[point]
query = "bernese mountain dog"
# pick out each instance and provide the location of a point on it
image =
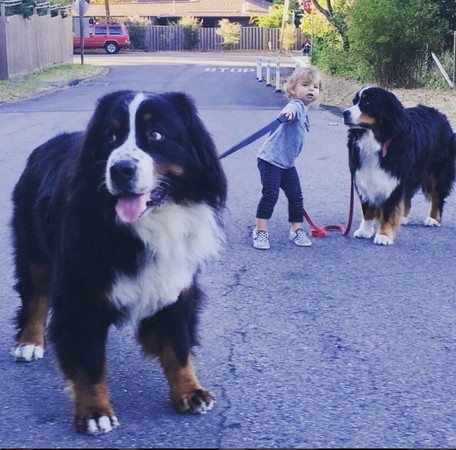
(394, 152)
(114, 224)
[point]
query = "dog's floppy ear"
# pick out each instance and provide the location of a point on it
(203, 146)
(392, 117)
(200, 136)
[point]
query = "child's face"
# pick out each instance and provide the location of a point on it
(307, 91)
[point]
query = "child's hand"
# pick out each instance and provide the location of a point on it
(288, 114)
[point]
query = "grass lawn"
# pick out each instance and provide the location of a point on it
(26, 86)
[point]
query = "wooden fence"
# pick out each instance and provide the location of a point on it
(42, 40)
(252, 38)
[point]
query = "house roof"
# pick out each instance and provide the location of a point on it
(180, 8)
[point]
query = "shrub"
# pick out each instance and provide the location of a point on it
(191, 27)
(230, 33)
(394, 36)
(137, 31)
(288, 37)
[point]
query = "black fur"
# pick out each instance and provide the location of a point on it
(65, 228)
(415, 145)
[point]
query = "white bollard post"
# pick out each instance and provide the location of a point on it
(277, 75)
(268, 72)
(260, 76)
(258, 68)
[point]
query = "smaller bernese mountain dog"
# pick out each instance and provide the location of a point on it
(394, 152)
(113, 224)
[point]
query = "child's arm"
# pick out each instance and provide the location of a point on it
(288, 113)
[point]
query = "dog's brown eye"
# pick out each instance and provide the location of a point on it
(154, 136)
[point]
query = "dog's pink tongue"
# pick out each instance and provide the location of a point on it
(130, 207)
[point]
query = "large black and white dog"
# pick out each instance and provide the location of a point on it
(394, 152)
(114, 224)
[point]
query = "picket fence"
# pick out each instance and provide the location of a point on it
(252, 38)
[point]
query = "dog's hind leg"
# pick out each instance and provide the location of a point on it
(32, 316)
(406, 211)
(432, 195)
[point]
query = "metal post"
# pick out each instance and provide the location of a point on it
(454, 59)
(258, 68)
(277, 75)
(81, 28)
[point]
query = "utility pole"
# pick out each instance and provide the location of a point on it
(286, 5)
(107, 12)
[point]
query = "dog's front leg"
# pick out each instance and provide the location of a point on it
(366, 228)
(170, 335)
(390, 221)
(93, 412)
(186, 393)
(80, 342)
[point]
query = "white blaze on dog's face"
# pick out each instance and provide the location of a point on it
(358, 114)
(130, 172)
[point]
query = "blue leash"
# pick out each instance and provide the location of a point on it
(268, 128)
(317, 231)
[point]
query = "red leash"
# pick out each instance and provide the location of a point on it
(321, 231)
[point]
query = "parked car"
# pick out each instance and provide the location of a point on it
(110, 36)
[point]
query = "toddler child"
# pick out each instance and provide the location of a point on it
(277, 156)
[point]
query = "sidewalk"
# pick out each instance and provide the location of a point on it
(300, 60)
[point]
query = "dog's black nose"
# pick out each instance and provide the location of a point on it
(123, 171)
(347, 116)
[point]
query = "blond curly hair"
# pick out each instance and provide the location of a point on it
(299, 75)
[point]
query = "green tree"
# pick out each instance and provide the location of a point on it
(447, 10)
(191, 26)
(271, 20)
(336, 13)
(275, 15)
(393, 37)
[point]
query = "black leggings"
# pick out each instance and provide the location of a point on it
(273, 179)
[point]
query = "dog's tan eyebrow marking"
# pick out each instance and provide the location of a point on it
(147, 116)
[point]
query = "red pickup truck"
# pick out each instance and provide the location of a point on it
(110, 36)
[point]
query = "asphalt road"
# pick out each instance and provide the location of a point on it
(344, 344)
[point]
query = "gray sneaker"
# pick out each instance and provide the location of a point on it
(261, 240)
(299, 237)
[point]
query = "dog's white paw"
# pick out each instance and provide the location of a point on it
(430, 222)
(366, 230)
(101, 425)
(27, 352)
(404, 220)
(382, 239)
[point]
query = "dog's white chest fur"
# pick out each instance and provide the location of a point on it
(373, 183)
(180, 239)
